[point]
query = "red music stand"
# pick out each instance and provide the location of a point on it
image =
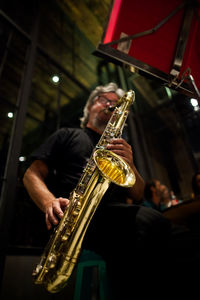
(158, 38)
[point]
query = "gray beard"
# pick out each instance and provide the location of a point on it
(98, 124)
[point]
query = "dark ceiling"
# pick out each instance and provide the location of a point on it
(68, 34)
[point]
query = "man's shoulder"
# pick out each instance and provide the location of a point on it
(70, 133)
(65, 131)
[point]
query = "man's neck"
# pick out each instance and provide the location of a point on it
(94, 128)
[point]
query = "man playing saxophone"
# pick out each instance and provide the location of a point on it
(58, 164)
(82, 142)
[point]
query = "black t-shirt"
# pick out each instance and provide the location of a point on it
(66, 153)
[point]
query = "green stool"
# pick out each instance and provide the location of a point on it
(91, 277)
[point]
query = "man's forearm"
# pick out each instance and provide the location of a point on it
(34, 182)
(37, 190)
(137, 191)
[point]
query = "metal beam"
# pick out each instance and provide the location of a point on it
(8, 192)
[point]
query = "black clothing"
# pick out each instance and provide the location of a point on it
(131, 238)
(66, 153)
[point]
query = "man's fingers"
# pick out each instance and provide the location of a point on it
(47, 221)
(52, 216)
(64, 202)
(58, 211)
(55, 211)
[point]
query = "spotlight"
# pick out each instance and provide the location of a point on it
(10, 115)
(22, 158)
(55, 78)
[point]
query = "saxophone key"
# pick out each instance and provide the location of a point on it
(76, 211)
(51, 262)
(37, 270)
(66, 234)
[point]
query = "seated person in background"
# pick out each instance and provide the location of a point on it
(158, 196)
(196, 185)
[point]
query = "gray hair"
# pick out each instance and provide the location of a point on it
(110, 87)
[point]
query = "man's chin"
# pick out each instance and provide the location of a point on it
(104, 117)
(100, 125)
(103, 120)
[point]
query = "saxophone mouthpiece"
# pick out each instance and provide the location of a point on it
(109, 109)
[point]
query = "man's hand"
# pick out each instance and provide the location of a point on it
(55, 211)
(122, 148)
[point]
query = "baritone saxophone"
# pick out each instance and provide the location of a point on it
(62, 251)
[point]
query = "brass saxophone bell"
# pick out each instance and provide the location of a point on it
(114, 168)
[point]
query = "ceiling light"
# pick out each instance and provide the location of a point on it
(55, 78)
(10, 115)
(22, 158)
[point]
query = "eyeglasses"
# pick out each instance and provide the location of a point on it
(104, 101)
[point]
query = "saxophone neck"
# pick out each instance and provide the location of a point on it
(117, 120)
(128, 98)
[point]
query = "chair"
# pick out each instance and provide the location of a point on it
(91, 278)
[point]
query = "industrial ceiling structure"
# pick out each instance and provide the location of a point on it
(67, 35)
